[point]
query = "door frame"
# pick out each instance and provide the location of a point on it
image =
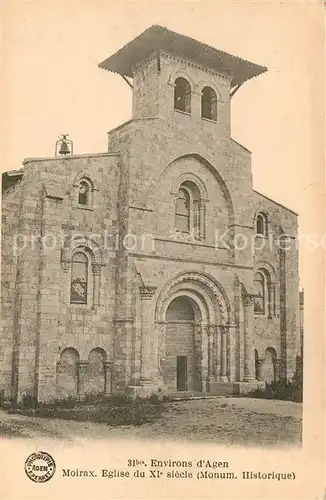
(185, 372)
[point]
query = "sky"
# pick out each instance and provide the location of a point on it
(51, 84)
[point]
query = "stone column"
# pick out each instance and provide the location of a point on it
(218, 354)
(108, 369)
(277, 368)
(274, 308)
(271, 293)
(81, 368)
(66, 289)
(204, 356)
(210, 352)
(160, 350)
(96, 284)
(146, 294)
(214, 347)
(260, 363)
(248, 323)
(231, 350)
(198, 358)
(224, 333)
(201, 220)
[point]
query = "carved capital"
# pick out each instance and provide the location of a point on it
(108, 366)
(82, 365)
(96, 269)
(147, 292)
(248, 300)
(210, 329)
(66, 265)
(224, 330)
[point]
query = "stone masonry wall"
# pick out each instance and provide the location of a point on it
(46, 322)
(272, 332)
(10, 221)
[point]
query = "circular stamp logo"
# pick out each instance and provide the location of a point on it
(40, 467)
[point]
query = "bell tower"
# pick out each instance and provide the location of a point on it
(174, 77)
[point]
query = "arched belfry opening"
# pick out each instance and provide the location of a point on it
(182, 95)
(209, 104)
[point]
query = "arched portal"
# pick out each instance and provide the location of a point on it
(193, 311)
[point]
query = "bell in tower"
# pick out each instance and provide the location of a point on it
(64, 146)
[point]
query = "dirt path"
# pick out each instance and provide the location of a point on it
(238, 421)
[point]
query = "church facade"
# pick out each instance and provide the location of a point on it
(155, 266)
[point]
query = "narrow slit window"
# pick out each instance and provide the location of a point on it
(261, 225)
(83, 193)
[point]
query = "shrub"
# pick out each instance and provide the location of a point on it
(167, 398)
(155, 399)
(114, 410)
(122, 399)
(28, 401)
(140, 412)
(87, 400)
(68, 402)
(280, 389)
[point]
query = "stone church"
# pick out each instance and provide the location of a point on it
(154, 267)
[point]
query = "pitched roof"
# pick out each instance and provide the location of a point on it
(157, 37)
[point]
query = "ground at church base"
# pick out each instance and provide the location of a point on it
(221, 420)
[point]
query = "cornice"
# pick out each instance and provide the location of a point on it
(187, 62)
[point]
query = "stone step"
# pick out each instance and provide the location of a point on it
(217, 389)
(186, 395)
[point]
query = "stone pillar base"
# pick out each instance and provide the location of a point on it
(248, 379)
(221, 388)
(142, 390)
(245, 387)
(209, 382)
(145, 381)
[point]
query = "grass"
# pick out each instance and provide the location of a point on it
(114, 410)
(8, 431)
